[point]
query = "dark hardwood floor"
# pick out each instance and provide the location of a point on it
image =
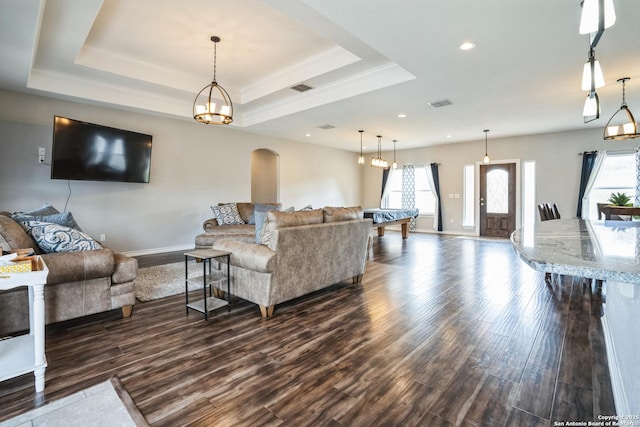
(442, 331)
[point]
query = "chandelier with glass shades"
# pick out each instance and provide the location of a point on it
(213, 105)
(622, 125)
(378, 161)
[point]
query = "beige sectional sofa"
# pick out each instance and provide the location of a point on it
(299, 252)
(78, 284)
(245, 232)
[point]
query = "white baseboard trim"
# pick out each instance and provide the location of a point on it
(154, 251)
(619, 396)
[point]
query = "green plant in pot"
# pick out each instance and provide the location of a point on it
(620, 199)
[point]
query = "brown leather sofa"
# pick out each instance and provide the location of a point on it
(78, 284)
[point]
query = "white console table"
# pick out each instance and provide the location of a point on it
(25, 353)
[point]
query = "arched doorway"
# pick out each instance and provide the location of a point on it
(265, 183)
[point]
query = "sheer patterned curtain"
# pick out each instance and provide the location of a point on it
(408, 200)
(595, 170)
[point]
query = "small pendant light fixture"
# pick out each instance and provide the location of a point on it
(597, 15)
(394, 165)
(361, 158)
(486, 160)
(591, 110)
(592, 77)
(213, 105)
(628, 129)
(379, 162)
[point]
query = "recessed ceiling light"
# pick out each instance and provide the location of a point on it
(307, 134)
(402, 115)
(467, 46)
(448, 136)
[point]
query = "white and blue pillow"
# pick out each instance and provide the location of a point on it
(227, 214)
(52, 237)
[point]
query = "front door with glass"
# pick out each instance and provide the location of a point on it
(497, 199)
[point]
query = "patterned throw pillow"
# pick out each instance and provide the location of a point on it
(52, 237)
(227, 214)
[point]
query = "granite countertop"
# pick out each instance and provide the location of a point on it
(607, 250)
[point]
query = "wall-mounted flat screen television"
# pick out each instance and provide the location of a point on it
(91, 152)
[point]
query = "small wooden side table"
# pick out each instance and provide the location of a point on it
(25, 353)
(208, 279)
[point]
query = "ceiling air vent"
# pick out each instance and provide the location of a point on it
(327, 126)
(301, 87)
(441, 103)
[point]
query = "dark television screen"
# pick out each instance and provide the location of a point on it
(90, 152)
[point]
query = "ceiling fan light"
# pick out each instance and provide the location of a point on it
(590, 18)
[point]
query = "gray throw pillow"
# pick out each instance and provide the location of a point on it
(46, 209)
(259, 215)
(65, 219)
(261, 207)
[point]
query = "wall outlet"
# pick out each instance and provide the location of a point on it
(103, 237)
(41, 153)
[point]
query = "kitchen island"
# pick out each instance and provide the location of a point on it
(607, 251)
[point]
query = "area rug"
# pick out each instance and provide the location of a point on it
(106, 404)
(165, 280)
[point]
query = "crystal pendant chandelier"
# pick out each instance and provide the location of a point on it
(213, 105)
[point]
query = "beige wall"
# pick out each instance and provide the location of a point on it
(193, 166)
(558, 168)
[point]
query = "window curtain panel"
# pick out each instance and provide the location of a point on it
(588, 160)
(591, 169)
(385, 180)
(408, 197)
(637, 198)
(434, 182)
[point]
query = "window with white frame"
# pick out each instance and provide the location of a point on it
(469, 189)
(528, 192)
(424, 198)
(617, 175)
